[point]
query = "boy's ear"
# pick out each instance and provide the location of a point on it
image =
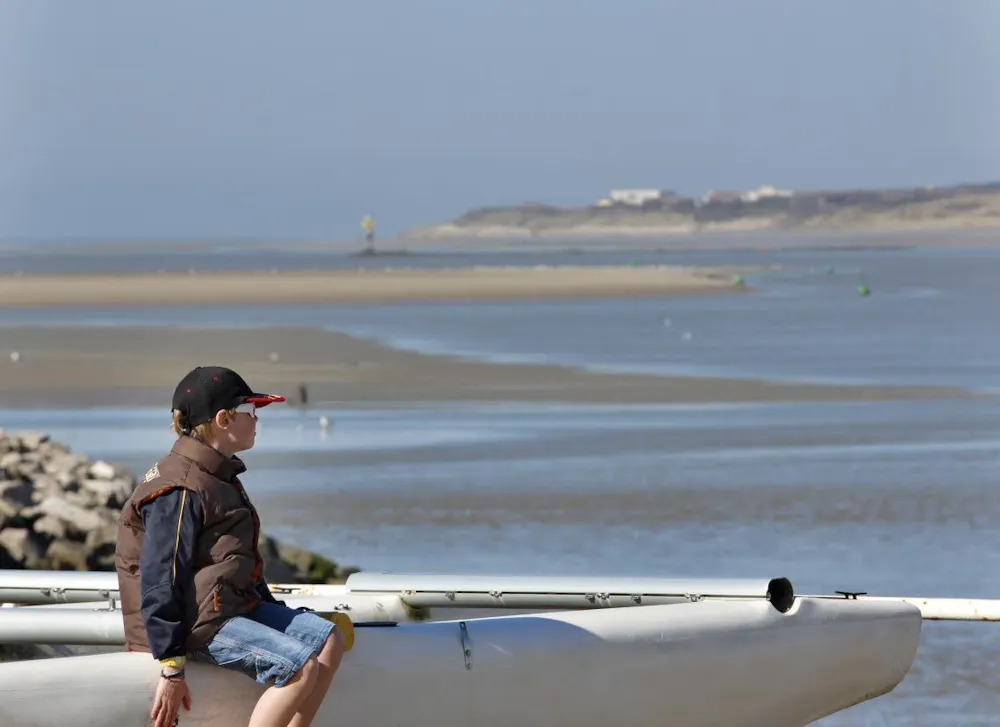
(222, 418)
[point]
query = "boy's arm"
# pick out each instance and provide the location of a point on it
(172, 521)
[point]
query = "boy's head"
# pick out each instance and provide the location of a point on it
(216, 405)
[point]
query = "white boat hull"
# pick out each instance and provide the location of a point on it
(687, 665)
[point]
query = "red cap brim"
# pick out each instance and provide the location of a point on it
(259, 400)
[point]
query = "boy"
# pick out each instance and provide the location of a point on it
(190, 573)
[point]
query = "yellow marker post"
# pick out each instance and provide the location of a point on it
(368, 225)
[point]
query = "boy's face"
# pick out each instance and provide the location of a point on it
(238, 430)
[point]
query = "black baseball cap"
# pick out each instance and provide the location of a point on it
(206, 390)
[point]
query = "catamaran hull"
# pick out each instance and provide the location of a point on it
(690, 665)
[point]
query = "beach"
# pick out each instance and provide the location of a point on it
(138, 366)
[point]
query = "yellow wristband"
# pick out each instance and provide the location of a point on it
(174, 661)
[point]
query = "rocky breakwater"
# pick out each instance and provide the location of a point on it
(59, 511)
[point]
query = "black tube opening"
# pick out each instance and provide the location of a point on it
(781, 594)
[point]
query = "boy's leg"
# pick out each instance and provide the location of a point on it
(278, 705)
(324, 642)
(328, 661)
(251, 646)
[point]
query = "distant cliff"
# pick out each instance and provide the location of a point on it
(821, 210)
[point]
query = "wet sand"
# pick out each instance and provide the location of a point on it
(359, 286)
(139, 366)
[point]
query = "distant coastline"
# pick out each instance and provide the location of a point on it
(645, 213)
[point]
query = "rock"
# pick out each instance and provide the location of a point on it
(24, 547)
(7, 510)
(45, 486)
(86, 500)
(31, 441)
(20, 652)
(108, 493)
(76, 517)
(16, 493)
(100, 546)
(49, 526)
(289, 564)
(59, 510)
(103, 559)
(104, 535)
(67, 555)
(52, 448)
(101, 470)
(10, 460)
(64, 466)
(277, 572)
(347, 571)
(7, 561)
(32, 512)
(21, 464)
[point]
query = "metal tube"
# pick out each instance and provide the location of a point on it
(27, 587)
(40, 587)
(565, 592)
(442, 591)
(31, 587)
(69, 626)
(941, 609)
(96, 624)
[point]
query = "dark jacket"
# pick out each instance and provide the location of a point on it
(187, 552)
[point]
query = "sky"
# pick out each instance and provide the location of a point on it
(293, 120)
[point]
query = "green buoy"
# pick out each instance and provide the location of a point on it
(828, 270)
(864, 290)
(738, 280)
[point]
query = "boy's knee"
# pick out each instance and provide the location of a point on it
(308, 673)
(333, 648)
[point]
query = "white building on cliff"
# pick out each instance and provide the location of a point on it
(630, 197)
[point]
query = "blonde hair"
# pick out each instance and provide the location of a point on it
(202, 431)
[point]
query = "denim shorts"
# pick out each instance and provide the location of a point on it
(273, 642)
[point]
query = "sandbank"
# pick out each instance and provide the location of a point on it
(139, 366)
(359, 286)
